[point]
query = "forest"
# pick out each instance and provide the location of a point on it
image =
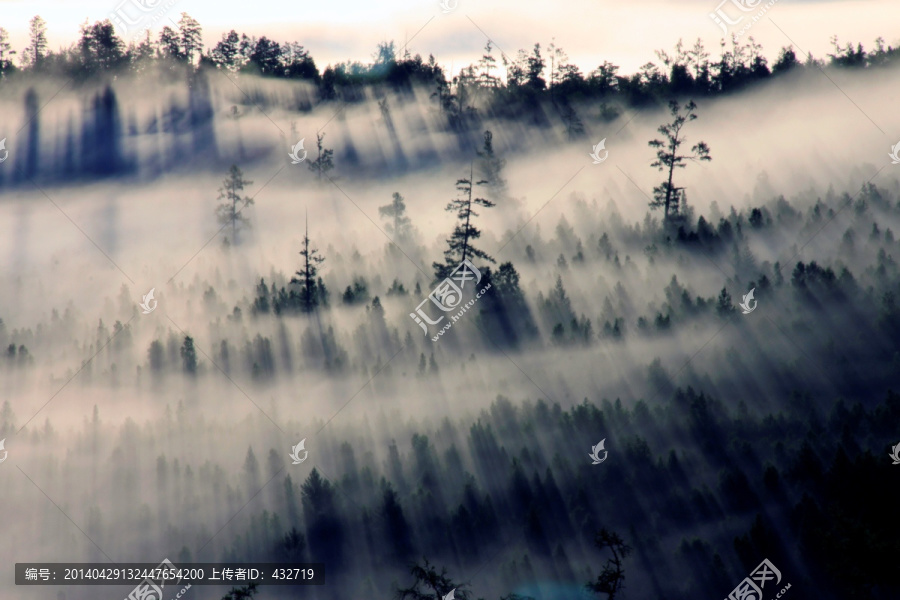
(218, 299)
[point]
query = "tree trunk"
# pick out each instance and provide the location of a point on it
(468, 211)
(669, 185)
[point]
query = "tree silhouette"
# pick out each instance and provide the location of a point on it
(491, 166)
(266, 56)
(170, 44)
(612, 578)
(400, 225)
(724, 305)
(426, 576)
(156, 356)
(325, 159)
(460, 242)
(666, 195)
(37, 47)
(227, 53)
(230, 192)
(323, 523)
(311, 291)
(190, 37)
(100, 48)
(398, 529)
(6, 52)
(189, 356)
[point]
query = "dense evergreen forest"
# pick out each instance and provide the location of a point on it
(530, 76)
(539, 88)
(463, 464)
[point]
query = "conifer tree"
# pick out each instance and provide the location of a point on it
(191, 37)
(227, 53)
(460, 242)
(491, 166)
(310, 290)
(189, 356)
(666, 195)
(169, 43)
(230, 192)
(37, 47)
(325, 159)
(400, 225)
(612, 578)
(6, 53)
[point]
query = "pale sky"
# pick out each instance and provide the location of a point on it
(590, 31)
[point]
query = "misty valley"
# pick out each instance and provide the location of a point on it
(510, 332)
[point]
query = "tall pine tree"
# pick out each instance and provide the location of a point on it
(310, 288)
(459, 245)
(666, 195)
(230, 192)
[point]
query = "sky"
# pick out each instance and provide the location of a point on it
(589, 31)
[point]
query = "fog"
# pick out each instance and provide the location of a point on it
(113, 459)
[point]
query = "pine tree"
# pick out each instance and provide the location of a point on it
(486, 66)
(443, 94)
(142, 53)
(325, 159)
(189, 356)
(227, 53)
(37, 46)
(310, 291)
(191, 40)
(400, 225)
(170, 43)
(666, 195)
(460, 242)
(400, 536)
(6, 53)
(612, 578)
(724, 305)
(491, 166)
(230, 192)
(99, 46)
